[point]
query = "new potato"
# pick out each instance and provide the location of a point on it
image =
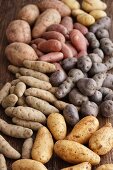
(82, 166)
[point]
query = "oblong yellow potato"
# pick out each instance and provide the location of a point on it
(83, 130)
(101, 142)
(76, 12)
(28, 164)
(74, 152)
(42, 149)
(57, 125)
(86, 19)
(82, 166)
(105, 167)
(72, 4)
(97, 14)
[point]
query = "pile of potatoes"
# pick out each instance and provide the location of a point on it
(63, 79)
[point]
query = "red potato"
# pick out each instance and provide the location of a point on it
(54, 35)
(72, 48)
(58, 66)
(81, 28)
(50, 46)
(68, 23)
(37, 41)
(78, 40)
(66, 51)
(38, 52)
(52, 57)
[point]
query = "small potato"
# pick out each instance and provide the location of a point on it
(42, 149)
(20, 89)
(82, 166)
(108, 81)
(89, 108)
(97, 14)
(72, 48)
(72, 4)
(69, 63)
(76, 12)
(29, 13)
(107, 46)
(85, 19)
(97, 97)
(95, 58)
(67, 22)
(18, 31)
(109, 96)
(94, 43)
(60, 105)
(102, 33)
(57, 78)
(18, 52)
(73, 152)
(57, 126)
(67, 52)
(106, 108)
(101, 142)
(105, 167)
(97, 68)
(105, 91)
(70, 114)
(84, 129)
(3, 165)
(13, 69)
(23, 164)
(99, 52)
(84, 63)
(9, 101)
(81, 28)
(99, 78)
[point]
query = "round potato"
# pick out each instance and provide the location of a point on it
(57, 125)
(18, 52)
(29, 13)
(18, 31)
(97, 14)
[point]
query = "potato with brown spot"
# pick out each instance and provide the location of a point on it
(105, 167)
(26, 148)
(3, 165)
(20, 89)
(4, 91)
(82, 166)
(9, 101)
(13, 69)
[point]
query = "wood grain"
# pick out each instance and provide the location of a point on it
(8, 12)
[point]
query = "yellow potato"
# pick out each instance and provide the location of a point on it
(86, 19)
(43, 146)
(89, 5)
(72, 4)
(82, 166)
(101, 142)
(75, 153)
(84, 129)
(105, 167)
(57, 125)
(28, 164)
(76, 12)
(97, 14)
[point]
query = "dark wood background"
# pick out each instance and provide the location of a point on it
(8, 12)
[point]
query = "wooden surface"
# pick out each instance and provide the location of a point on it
(8, 12)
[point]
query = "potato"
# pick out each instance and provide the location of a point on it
(72, 4)
(106, 108)
(70, 114)
(76, 12)
(84, 129)
(47, 18)
(43, 146)
(60, 105)
(74, 152)
(67, 22)
(87, 86)
(57, 77)
(95, 58)
(89, 108)
(88, 5)
(94, 43)
(13, 69)
(97, 68)
(36, 41)
(67, 52)
(105, 91)
(101, 142)
(97, 14)
(18, 31)
(69, 63)
(109, 63)
(72, 48)
(63, 9)
(82, 166)
(99, 52)
(4, 91)
(18, 52)
(85, 19)
(23, 164)
(9, 101)
(81, 28)
(102, 33)
(76, 98)
(108, 81)
(57, 126)
(84, 63)
(109, 96)
(107, 46)
(99, 78)
(96, 97)
(105, 167)
(29, 13)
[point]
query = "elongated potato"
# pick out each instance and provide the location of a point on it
(33, 82)
(57, 125)
(23, 164)
(74, 152)
(86, 19)
(105, 167)
(9, 101)
(82, 166)
(41, 105)
(47, 18)
(84, 129)
(13, 69)
(4, 91)
(3, 165)
(72, 4)
(20, 89)
(40, 66)
(26, 148)
(97, 14)
(41, 94)
(101, 142)
(43, 146)
(60, 105)
(67, 22)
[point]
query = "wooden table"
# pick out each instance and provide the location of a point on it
(8, 12)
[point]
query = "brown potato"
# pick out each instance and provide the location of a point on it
(105, 167)
(82, 166)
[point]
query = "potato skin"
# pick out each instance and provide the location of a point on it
(83, 130)
(73, 152)
(29, 13)
(85, 19)
(97, 14)
(101, 142)
(42, 149)
(47, 18)
(82, 166)
(18, 31)
(57, 125)
(18, 52)
(105, 167)
(23, 164)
